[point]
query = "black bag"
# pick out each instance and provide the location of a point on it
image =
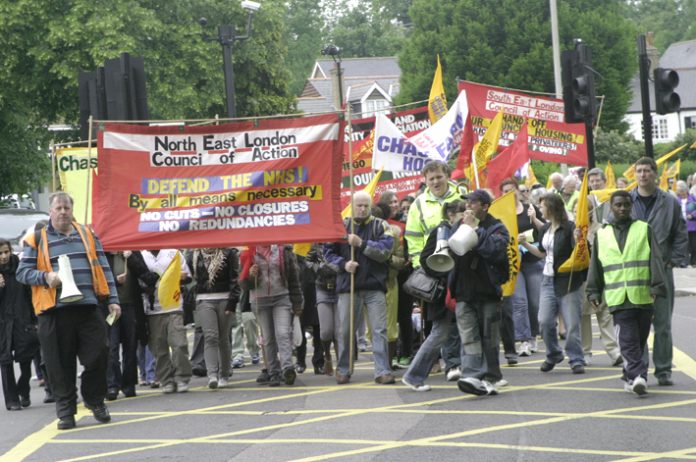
(424, 287)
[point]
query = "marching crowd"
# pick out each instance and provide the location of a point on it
(250, 301)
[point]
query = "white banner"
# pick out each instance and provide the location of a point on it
(396, 153)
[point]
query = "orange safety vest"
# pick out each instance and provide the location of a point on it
(43, 297)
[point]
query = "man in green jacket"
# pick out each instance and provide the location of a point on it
(626, 265)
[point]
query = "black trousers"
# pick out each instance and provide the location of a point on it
(67, 334)
(403, 317)
(123, 375)
(12, 389)
(632, 328)
(692, 247)
(318, 355)
(507, 329)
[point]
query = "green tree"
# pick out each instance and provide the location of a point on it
(670, 20)
(616, 147)
(508, 43)
(45, 44)
(304, 35)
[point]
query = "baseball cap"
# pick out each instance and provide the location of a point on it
(479, 195)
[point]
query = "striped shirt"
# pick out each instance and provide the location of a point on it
(72, 246)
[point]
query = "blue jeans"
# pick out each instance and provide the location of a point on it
(430, 350)
(479, 326)
(452, 346)
(525, 301)
(570, 308)
(376, 305)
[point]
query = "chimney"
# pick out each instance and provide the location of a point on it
(653, 53)
(336, 87)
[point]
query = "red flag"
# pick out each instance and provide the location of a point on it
(464, 158)
(246, 259)
(508, 161)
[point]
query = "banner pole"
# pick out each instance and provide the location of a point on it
(89, 173)
(351, 343)
(476, 177)
(53, 167)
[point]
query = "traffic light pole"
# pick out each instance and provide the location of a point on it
(644, 70)
(589, 137)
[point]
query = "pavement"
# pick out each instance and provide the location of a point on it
(685, 281)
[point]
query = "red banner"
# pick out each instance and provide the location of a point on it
(410, 122)
(550, 138)
(246, 183)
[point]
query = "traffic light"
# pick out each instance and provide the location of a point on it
(578, 84)
(666, 100)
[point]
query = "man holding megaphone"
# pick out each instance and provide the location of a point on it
(66, 267)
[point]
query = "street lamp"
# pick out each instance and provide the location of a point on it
(226, 37)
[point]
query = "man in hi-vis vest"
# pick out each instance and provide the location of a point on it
(70, 329)
(626, 265)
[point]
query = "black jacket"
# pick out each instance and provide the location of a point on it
(563, 244)
(18, 338)
(226, 280)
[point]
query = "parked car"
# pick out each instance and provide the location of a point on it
(14, 223)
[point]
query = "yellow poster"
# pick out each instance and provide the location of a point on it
(74, 167)
(503, 209)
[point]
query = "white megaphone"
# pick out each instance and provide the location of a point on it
(441, 261)
(69, 292)
(463, 240)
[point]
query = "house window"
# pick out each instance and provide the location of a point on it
(373, 106)
(659, 129)
(689, 122)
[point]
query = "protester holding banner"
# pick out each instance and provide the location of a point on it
(426, 211)
(662, 212)
(599, 215)
(165, 318)
(525, 299)
(70, 329)
(216, 274)
(442, 318)
(480, 243)
(365, 258)
(327, 300)
(276, 293)
(560, 292)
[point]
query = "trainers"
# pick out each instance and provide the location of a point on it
(386, 379)
(533, 347)
(547, 366)
(512, 361)
(491, 390)
(501, 383)
(255, 359)
(404, 362)
(421, 387)
(578, 369)
(342, 379)
(274, 381)
(169, 388)
(112, 394)
(617, 362)
(639, 386)
(473, 386)
(263, 378)
(664, 381)
(24, 401)
(289, 376)
(48, 397)
(100, 412)
(238, 363)
(524, 349)
(182, 387)
(213, 382)
(66, 423)
(223, 383)
(453, 374)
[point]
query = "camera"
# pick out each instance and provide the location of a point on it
(331, 50)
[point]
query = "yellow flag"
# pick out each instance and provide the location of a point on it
(531, 177)
(169, 290)
(611, 177)
(437, 103)
(675, 177)
(693, 146)
(580, 258)
(549, 185)
(302, 249)
(631, 172)
(503, 208)
(488, 145)
(370, 188)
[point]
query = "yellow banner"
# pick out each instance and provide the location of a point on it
(580, 258)
(74, 167)
(169, 290)
(370, 188)
(503, 209)
(611, 177)
(437, 103)
(631, 172)
(488, 145)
